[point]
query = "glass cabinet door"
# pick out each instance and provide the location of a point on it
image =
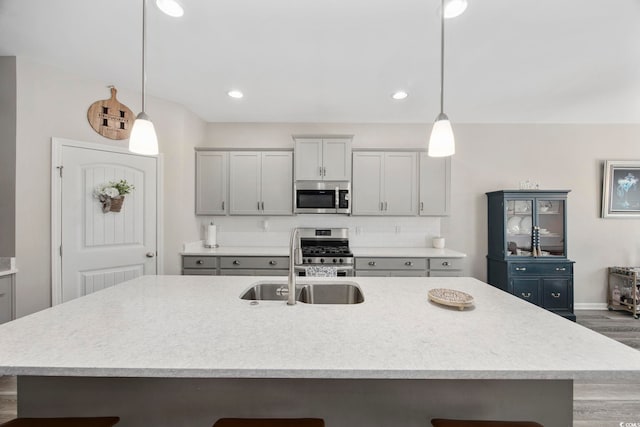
(551, 223)
(519, 227)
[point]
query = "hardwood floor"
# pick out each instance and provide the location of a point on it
(594, 405)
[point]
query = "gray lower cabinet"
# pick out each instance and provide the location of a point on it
(408, 267)
(445, 267)
(209, 265)
(6, 299)
(390, 267)
(199, 265)
(254, 266)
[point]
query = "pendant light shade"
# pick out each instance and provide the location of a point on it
(442, 143)
(143, 139)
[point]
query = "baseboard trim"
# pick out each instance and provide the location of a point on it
(590, 306)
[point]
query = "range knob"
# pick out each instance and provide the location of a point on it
(335, 260)
(341, 260)
(322, 260)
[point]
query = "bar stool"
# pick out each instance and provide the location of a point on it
(440, 422)
(269, 422)
(62, 422)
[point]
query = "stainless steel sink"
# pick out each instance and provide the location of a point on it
(308, 293)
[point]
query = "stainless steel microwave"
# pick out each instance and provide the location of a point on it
(322, 197)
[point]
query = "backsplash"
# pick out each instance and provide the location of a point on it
(363, 231)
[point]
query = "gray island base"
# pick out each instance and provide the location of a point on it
(186, 350)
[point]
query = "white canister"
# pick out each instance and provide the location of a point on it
(438, 242)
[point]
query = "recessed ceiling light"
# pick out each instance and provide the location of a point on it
(400, 95)
(235, 94)
(170, 7)
(453, 8)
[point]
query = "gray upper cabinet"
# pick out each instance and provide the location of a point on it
(385, 183)
(261, 183)
(211, 182)
(435, 185)
(322, 159)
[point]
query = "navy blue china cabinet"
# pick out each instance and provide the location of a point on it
(527, 253)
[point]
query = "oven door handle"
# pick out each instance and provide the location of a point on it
(337, 203)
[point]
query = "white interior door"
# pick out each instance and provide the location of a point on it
(103, 249)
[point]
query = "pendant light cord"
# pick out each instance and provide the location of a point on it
(144, 52)
(442, 58)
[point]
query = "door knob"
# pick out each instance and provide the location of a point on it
(150, 254)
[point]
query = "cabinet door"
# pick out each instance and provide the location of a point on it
(435, 185)
(336, 159)
(400, 192)
(308, 159)
(244, 183)
(277, 183)
(367, 183)
(527, 289)
(6, 298)
(552, 222)
(518, 226)
(556, 294)
(211, 182)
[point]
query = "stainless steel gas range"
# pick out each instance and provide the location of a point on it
(325, 247)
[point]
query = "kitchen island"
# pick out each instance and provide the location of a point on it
(185, 350)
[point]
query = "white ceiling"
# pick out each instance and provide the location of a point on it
(507, 61)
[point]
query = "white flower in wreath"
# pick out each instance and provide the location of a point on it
(111, 192)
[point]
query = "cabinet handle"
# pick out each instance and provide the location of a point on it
(236, 262)
(200, 262)
(223, 205)
(555, 294)
(386, 206)
(446, 264)
(527, 295)
(421, 206)
(561, 269)
(408, 263)
(324, 171)
(381, 206)
(258, 205)
(273, 262)
(262, 204)
(2, 294)
(320, 170)
(372, 263)
(521, 268)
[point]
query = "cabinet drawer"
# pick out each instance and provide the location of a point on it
(555, 293)
(199, 262)
(6, 299)
(527, 289)
(445, 264)
(267, 263)
(541, 268)
(199, 272)
(391, 273)
(391, 263)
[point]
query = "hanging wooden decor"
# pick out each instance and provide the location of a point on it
(111, 118)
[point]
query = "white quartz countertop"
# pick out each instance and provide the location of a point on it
(357, 252)
(8, 272)
(197, 326)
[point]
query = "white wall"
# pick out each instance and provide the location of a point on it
(54, 103)
(492, 157)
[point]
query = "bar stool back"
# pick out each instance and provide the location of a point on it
(441, 422)
(269, 422)
(63, 422)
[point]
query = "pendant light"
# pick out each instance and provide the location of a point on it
(442, 142)
(143, 138)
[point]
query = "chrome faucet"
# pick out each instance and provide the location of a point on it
(295, 256)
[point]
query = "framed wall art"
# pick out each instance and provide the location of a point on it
(621, 189)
